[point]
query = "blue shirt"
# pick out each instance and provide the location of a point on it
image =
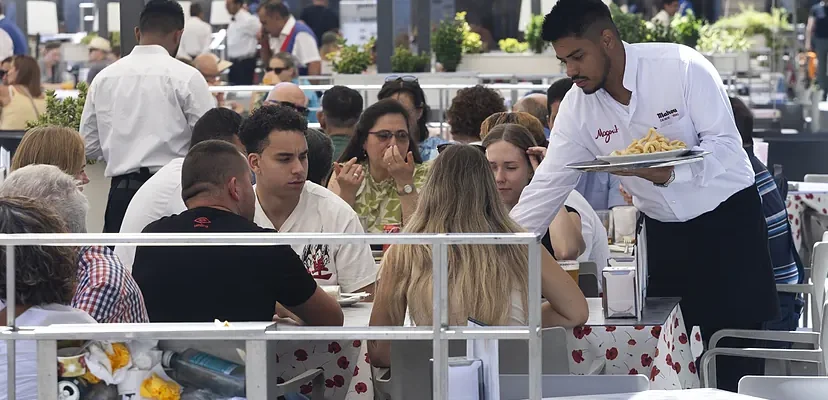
(601, 190)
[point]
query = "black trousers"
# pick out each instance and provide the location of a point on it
(121, 191)
(242, 72)
(720, 266)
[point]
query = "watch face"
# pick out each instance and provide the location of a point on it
(408, 189)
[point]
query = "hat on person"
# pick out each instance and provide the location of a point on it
(99, 43)
(224, 64)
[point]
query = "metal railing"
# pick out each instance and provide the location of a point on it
(440, 332)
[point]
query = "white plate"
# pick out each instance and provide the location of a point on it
(348, 301)
(644, 157)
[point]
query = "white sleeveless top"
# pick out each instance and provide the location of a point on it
(517, 317)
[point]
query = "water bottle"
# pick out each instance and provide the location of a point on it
(204, 371)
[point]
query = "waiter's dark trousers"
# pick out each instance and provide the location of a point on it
(121, 191)
(242, 72)
(720, 266)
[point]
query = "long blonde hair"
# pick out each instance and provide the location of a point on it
(460, 196)
(53, 145)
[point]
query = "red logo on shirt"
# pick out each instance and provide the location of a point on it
(607, 135)
(316, 259)
(201, 222)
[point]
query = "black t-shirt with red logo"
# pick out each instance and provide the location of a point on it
(203, 283)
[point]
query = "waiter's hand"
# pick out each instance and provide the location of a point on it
(654, 175)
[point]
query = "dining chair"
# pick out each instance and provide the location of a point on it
(589, 285)
(516, 387)
(784, 387)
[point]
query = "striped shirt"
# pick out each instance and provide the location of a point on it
(106, 290)
(780, 243)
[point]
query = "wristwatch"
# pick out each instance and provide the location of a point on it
(669, 180)
(407, 189)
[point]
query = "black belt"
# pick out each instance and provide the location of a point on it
(131, 179)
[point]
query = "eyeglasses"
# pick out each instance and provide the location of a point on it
(401, 136)
(277, 71)
(302, 110)
(404, 78)
(477, 145)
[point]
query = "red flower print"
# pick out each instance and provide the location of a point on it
(669, 360)
(809, 196)
(356, 370)
(656, 353)
(790, 216)
(677, 367)
(339, 381)
(578, 331)
(692, 367)
(656, 331)
(654, 373)
(306, 389)
(824, 211)
(674, 347)
(675, 323)
(367, 360)
(612, 353)
(334, 347)
(578, 356)
(797, 197)
(611, 329)
(301, 355)
(683, 339)
(587, 330)
(631, 342)
(329, 383)
(639, 327)
(698, 337)
(357, 343)
(646, 360)
(343, 362)
(361, 387)
(633, 371)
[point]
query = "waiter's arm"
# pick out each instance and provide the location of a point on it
(709, 109)
(89, 127)
(544, 196)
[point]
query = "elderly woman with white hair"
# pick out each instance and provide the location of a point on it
(105, 288)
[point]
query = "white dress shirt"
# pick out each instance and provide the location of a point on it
(6, 44)
(140, 111)
(677, 91)
(593, 232)
(304, 49)
(241, 35)
(158, 197)
(196, 37)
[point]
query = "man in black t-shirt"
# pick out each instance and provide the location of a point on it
(816, 39)
(234, 283)
(320, 18)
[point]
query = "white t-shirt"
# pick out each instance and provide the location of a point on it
(159, 197)
(304, 48)
(26, 350)
(321, 211)
(196, 37)
(593, 232)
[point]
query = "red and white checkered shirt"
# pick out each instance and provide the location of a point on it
(106, 290)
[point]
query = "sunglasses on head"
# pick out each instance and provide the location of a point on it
(277, 71)
(302, 110)
(403, 78)
(477, 145)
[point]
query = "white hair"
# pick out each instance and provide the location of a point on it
(53, 186)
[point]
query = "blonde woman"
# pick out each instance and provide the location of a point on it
(53, 145)
(486, 282)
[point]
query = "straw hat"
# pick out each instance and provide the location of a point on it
(99, 43)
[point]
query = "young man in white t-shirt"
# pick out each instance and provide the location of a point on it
(278, 154)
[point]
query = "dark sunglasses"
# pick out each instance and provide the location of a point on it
(277, 71)
(301, 110)
(404, 78)
(401, 136)
(3, 73)
(477, 145)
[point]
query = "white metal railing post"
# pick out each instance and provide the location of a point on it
(47, 378)
(439, 255)
(10, 311)
(535, 343)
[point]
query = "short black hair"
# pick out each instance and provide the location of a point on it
(367, 121)
(216, 124)
(470, 107)
(744, 120)
(255, 129)
(208, 165)
(161, 16)
(195, 9)
(320, 156)
(556, 92)
(575, 18)
(54, 44)
(393, 87)
(342, 106)
(276, 6)
(666, 2)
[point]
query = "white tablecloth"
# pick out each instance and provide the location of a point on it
(690, 394)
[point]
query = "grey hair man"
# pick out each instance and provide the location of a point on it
(106, 291)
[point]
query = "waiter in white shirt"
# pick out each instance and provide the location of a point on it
(197, 35)
(242, 40)
(706, 236)
(140, 111)
(283, 33)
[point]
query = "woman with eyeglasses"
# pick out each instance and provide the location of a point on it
(406, 89)
(282, 68)
(380, 171)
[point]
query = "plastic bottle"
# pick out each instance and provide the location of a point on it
(204, 371)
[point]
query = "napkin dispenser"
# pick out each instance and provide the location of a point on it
(620, 288)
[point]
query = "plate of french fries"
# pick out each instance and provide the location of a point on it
(652, 147)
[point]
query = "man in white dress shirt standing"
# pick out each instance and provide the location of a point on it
(706, 237)
(242, 40)
(198, 34)
(140, 110)
(283, 33)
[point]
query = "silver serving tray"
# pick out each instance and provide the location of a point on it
(604, 166)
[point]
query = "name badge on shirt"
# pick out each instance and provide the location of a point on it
(667, 115)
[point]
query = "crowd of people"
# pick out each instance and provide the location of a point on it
(180, 164)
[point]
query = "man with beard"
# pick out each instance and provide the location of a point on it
(706, 237)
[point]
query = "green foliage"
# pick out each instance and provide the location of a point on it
(533, 34)
(714, 39)
(351, 59)
(512, 45)
(752, 22)
(686, 28)
(64, 112)
(447, 42)
(403, 60)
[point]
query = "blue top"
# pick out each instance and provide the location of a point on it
(21, 45)
(428, 147)
(601, 190)
(313, 100)
(300, 27)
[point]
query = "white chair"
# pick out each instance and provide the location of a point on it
(818, 178)
(516, 387)
(784, 387)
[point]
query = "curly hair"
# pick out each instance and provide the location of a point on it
(470, 107)
(526, 120)
(256, 129)
(43, 274)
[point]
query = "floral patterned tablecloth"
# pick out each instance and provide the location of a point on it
(665, 353)
(796, 205)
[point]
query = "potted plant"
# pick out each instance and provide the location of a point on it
(726, 49)
(512, 45)
(351, 59)
(533, 35)
(403, 60)
(64, 112)
(447, 42)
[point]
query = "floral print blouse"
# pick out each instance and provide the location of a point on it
(378, 204)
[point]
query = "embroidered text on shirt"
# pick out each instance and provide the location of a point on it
(607, 135)
(201, 222)
(663, 116)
